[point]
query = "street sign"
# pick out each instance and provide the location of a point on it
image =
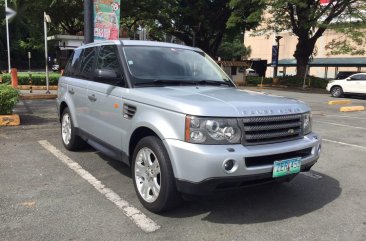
(9, 13)
(274, 55)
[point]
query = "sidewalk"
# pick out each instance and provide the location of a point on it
(37, 94)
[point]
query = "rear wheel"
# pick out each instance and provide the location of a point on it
(336, 91)
(153, 176)
(70, 140)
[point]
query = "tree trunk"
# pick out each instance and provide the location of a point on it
(304, 49)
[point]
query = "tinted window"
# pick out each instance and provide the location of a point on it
(72, 67)
(87, 63)
(357, 77)
(150, 63)
(108, 62)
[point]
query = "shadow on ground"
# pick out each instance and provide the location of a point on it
(264, 203)
(258, 204)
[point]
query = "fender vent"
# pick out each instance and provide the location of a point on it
(128, 111)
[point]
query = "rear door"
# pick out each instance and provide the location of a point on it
(106, 121)
(362, 89)
(76, 89)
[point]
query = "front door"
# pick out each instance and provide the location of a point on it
(105, 94)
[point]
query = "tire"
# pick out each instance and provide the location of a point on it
(153, 176)
(336, 91)
(71, 141)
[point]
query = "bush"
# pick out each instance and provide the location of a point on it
(37, 78)
(294, 81)
(291, 81)
(252, 80)
(8, 99)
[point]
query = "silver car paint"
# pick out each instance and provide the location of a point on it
(163, 110)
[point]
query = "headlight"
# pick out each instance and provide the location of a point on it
(307, 123)
(212, 130)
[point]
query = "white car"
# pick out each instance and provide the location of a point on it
(355, 84)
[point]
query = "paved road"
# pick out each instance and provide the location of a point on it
(41, 198)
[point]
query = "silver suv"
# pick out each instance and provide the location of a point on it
(176, 118)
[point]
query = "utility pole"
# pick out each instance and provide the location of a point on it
(46, 19)
(7, 35)
(88, 22)
(278, 38)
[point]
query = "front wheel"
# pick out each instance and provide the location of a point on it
(336, 91)
(153, 176)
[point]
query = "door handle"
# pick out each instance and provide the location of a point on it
(72, 91)
(92, 97)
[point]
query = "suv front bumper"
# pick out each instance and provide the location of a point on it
(199, 168)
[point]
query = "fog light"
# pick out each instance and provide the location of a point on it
(230, 166)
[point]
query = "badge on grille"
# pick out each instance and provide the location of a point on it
(291, 131)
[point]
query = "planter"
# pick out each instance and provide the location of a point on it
(9, 120)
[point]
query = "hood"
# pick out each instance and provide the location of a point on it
(216, 101)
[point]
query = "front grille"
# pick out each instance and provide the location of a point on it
(270, 159)
(271, 129)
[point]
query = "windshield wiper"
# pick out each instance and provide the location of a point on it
(213, 82)
(160, 82)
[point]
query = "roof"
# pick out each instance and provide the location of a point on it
(156, 43)
(328, 62)
(141, 43)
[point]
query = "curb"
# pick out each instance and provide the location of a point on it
(351, 108)
(38, 96)
(9, 120)
(339, 102)
(37, 87)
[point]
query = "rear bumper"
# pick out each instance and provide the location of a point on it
(213, 185)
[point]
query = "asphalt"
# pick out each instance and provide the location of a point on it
(42, 199)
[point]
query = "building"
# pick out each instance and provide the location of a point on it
(325, 64)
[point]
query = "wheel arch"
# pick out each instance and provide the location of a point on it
(136, 136)
(63, 106)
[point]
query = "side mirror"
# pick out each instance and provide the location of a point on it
(106, 74)
(348, 78)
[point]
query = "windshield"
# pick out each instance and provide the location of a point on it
(150, 65)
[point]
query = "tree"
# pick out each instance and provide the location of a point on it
(233, 49)
(201, 22)
(26, 28)
(308, 20)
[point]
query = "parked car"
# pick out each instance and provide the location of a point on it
(173, 115)
(55, 67)
(345, 74)
(355, 84)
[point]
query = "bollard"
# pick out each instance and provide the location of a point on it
(14, 77)
(30, 83)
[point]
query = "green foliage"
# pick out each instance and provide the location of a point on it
(200, 21)
(308, 20)
(26, 28)
(254, 81)
(37, 78)
(290, 81)
(235, 49)
(351, 41)
(8, 99)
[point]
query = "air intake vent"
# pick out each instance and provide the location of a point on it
(128, 111)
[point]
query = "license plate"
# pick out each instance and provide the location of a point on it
(286, 167)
